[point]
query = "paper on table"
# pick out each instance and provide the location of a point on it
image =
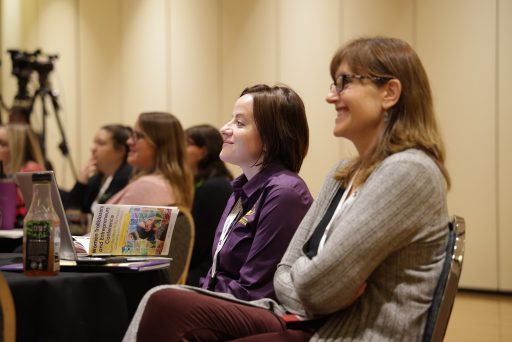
(11, 233)
(83, 240)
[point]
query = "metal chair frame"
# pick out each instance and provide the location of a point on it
(446, 289)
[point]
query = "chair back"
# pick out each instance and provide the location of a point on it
(182, 243)
(7, 313)
(447, 285)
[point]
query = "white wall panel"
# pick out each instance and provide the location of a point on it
(249, 47)
(504, 127)
(308, 35)
(194, 64)
(456, 40)
(144, 60)
(392, 18)
(99, 69)
(52, 39)
(19, 22)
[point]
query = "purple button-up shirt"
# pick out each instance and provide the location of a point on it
(274, 202)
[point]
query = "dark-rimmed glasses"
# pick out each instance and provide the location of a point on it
(136, 136)
(343, 80)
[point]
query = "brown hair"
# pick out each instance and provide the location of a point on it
(165, 132)
(281, 120)
(210, 138)
(24, 146)
(120, 135)
(411, 121)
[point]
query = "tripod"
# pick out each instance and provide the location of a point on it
(44, 92)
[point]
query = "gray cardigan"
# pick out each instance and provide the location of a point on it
(391, 235)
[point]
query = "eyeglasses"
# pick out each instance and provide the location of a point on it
(136, 136)
(343, 80)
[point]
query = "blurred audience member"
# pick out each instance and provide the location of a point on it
(20, 151)
(212, 190)
(106, 172)
(158, 155)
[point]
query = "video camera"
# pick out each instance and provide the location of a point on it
(24, 63)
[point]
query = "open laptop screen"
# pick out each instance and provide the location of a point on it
(24, 180)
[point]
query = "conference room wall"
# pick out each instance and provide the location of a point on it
(117, 58)
(192, 58)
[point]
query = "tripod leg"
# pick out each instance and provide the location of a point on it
(63, 146)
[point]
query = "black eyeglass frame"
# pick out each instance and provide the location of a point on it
(341, 81)
(136, 136)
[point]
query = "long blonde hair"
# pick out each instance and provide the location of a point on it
(411, 122)
(24, 147)
(165, 132)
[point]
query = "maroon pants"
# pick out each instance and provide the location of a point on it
(175, 315)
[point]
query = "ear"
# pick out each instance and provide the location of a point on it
(391, 93)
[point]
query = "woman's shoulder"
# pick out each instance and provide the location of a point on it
(411, 158)
(150, 179)
(285, 178)
(288, 186)
(409, 167)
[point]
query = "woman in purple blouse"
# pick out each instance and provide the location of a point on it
(267, 137)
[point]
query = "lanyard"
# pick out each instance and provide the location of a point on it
(338, 209)
(228, 225)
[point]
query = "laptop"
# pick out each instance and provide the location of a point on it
(24, 180)
(68, 255)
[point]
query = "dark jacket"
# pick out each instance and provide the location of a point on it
(82, 195)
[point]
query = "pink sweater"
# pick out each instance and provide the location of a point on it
(146, 190)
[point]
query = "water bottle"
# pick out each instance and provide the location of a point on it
(41, 230)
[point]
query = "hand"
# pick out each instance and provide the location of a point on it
(87, 171)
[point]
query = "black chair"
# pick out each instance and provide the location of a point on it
(182, 243)
(447, 285)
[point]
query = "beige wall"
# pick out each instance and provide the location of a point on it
(503, 138)
(193, 57)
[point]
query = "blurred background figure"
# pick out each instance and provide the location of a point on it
(106, 172)
(212, 191)
(20, 151)
(157, 152)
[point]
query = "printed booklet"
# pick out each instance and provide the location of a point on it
(131, 230)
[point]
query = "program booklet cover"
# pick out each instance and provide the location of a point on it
(132, 230)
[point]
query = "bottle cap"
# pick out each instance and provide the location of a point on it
(41, 177)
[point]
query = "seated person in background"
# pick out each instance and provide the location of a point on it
(158, 155)
(212, 190)
(20, 151)
(105, 173)
(366, 259)
(267, 137)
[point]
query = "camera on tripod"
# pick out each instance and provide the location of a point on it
(23, 64)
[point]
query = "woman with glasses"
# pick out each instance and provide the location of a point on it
(364, 262)
(212, 191)
(157, 154)
(105, 173)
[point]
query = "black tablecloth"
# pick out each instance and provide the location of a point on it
(76, 306)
